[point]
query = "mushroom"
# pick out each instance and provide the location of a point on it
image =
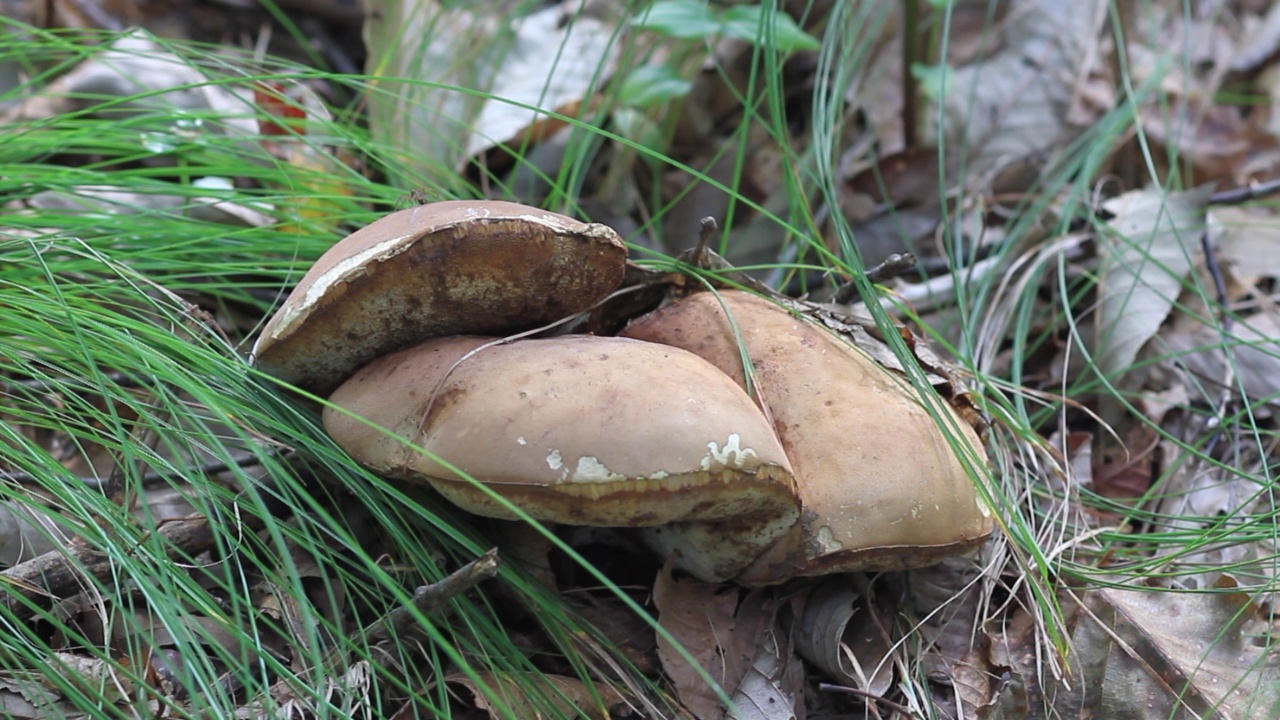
(581, 430)
(446, 268)
(880, 486)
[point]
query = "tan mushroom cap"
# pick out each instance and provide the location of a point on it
(580, 430)
(441, 269)
(880, 487)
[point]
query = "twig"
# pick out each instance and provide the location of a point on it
(1219, 287)
(1235, 196)
(426, 599)
(896, 707)
(429, 598)
(893, 266)
(149, 479)
(1219, 284)
(707, 229)
(43, 580)
(707, 259)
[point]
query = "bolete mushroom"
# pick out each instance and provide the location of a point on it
(880, 486)
(580, 430)
(447, 268)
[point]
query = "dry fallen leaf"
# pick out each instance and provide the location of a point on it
(1260, 42)
(700, 619)
(1246, 239)
(894, 205)
(1208, 501)
(569, 697)
(1244, 358)
(839, 631)
(554, 62)
(1220, 143)
(733, 638)
(948, 598)
(1014, 104)
(773, 686)
(108, 200)
(24, 696)
(1145, 260)
(1026, 685)
(1149, 654)
(26, 532)
(137, 77)
(425, 55)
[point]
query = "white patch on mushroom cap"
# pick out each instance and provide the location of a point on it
(521, 441)
(720, 455)
(554, 460)
(826, 540)
(592, 470)
(478, 211)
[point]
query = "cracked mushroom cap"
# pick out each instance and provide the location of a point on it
(441, 269)
(880, 487)
(580, 430)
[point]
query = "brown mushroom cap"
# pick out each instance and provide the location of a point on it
(880, 486)
(434, 270)
(580, 430)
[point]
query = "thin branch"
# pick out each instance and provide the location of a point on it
(62, 572)
(1220, 288)
(893, 266)
(1235, 196)
(150, 479)
(393, 625)
(708, 228)
(429, 598)
(896, 707)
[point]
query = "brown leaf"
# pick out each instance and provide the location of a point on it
(1153, 654)
(949, 601)
(1259, 43)
(726, 638)
(1014, 104)
(1027, 668)
(1217, 140)
(532, 65)
(1197, 498)
(842, 633)
(623, 629)
(1245, 239)
(24, 697)
(904, 179)
(1246, 357)
(560, 697)
(894, 205)
(773, 688)
(1125, 473)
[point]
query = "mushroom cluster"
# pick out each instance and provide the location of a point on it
(753, 444)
